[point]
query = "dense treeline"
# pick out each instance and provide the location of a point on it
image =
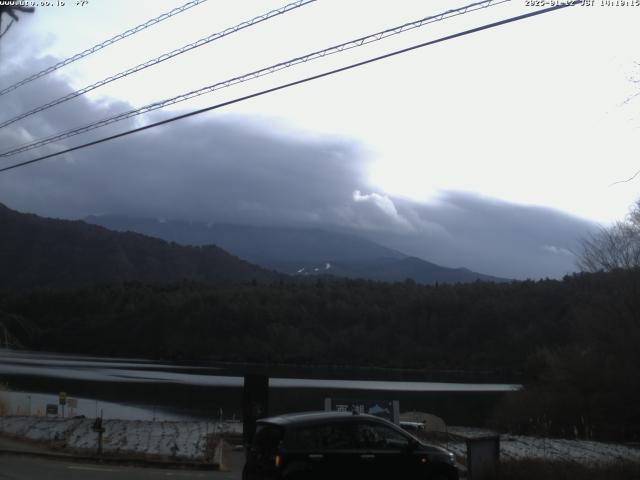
(588, 386)
(479, 325)
(574, 342)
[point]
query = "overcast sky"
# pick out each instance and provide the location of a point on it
(494, 151)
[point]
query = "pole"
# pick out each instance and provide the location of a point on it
(100, 432)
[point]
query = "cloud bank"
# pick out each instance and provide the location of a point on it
(230, 168)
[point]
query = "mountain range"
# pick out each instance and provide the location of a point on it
(44, 252)
(297, 251)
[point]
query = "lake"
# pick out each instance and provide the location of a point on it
(144, 389)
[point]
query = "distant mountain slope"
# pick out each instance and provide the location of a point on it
(255, 244)
(43, 252)
(386, 269)
(297, 251)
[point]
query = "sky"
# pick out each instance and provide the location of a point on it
(495, 151)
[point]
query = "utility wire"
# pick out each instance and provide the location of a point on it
(103, 44)
(256, 74)
(162, 58)
(297, 82)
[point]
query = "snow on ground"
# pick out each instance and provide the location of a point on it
(518, 447)
(168, 439)
(188, 439)
(581, 451)
(32, 403)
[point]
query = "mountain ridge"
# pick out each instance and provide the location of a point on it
(44, 252)
(276, 243)
(299, 251)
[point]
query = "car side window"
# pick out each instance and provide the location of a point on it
(267, 437)
(332, 436)
(380, 437)
(308, 438)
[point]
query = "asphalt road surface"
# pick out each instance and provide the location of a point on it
(18, 467)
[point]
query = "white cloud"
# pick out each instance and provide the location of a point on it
(557, 250)
(382, 204)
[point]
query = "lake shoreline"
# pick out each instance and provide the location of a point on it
(148, 390)
(307, 370)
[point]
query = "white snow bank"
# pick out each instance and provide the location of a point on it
(519, 447)
(188, 440)
(170, 439)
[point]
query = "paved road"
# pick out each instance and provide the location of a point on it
(17, 467)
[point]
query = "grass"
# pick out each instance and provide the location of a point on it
(539, 469)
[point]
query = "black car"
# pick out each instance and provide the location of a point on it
(341, 445)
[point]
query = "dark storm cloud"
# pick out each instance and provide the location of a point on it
(213, 168)
(226, 168)
(69, 115)
(223, 168)
(488, 235)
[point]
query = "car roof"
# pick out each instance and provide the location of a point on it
(306, 418)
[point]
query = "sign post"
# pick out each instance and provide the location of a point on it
(72, 403)
(62, 400)
(99, 429)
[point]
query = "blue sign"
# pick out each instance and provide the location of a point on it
(387, 409)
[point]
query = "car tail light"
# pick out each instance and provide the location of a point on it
(277, 461)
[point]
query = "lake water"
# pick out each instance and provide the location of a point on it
(143, 389)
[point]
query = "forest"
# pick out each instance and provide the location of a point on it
(573, 342)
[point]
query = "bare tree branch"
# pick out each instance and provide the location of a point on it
(615, 247)
(627, 180)
(6, 29)
(11, 11)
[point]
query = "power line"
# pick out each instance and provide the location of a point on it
(162, 58)
(297, 82)
(256, 74)
(103, 44)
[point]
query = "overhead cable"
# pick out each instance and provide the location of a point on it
(103, 44)
(297, 82)
(358, 42)
(162, 58)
